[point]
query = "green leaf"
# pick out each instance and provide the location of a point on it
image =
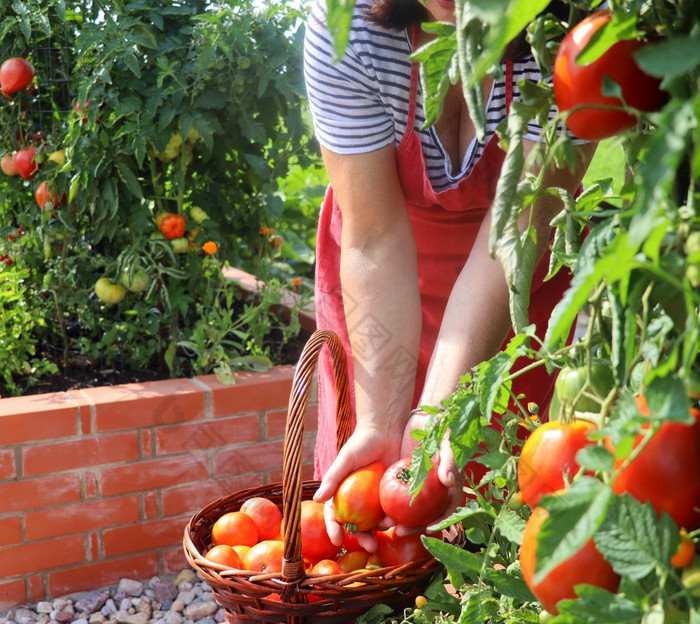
(339, 20)
(574, 517)
(507, 584)
(594, 458)
(510, 524)
(634, 541)
(597, 606)
(676, 56)
(129, 178)
(452, 557)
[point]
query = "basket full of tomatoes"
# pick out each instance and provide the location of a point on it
(265, 552)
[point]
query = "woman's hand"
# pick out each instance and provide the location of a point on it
(364, 446)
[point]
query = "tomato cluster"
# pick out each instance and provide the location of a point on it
(665, 472)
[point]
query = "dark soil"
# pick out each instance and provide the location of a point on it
(85, 373)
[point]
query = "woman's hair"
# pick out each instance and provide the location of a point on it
(400, 14)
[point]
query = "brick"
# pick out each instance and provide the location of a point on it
(87, 451)
(150, 505)
(85, 415)
(146, 443)
(35, 588)
(174, 560)
(276, 421)
(10, 530)
(8, 470)
(252, 391)
(101, 574)
(307, 473)
(81, 517)
(90, 479)
(12, 593)
(153, 474)
(133, 406)
(44, 555)
(144, 536)
(94, 546)
(29, 494)
(207, 434)
(191, 498)
(37, 417)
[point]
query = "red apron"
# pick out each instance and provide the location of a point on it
(445, 226)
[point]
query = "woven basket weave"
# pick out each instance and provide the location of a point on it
(245, 595)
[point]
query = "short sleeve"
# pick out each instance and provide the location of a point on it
(347, 111)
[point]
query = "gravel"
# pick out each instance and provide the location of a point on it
(184, 599)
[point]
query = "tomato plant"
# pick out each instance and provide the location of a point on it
(233, 528)
(666, 470)
(587, 566)
(315, 543)
(548, 458)
(581, 85)
(407, 509)
(15, 74)
(265, 514)
(356, 502)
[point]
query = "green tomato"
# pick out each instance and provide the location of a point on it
(198, 215)
(108, 291)
(693, 275)
(570, 381)
(691, 578)
(180, 245)
(137, 281)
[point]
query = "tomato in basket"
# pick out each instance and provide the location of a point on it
(315, 543)
(225, 555)
(234, 528)
(265, 556)
(265, 514)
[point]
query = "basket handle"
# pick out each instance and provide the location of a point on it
(293, 565)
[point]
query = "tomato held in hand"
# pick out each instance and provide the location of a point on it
(15, 74)
(356, 501)
(549, 457)
(394, 550)
(587, 566)
(315, 543)
(265, 514)
(406, 509)
(581, 85)
(173, 226)
(666, 472)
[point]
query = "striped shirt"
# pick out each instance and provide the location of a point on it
(360, 104)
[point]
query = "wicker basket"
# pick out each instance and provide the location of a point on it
(246, 595)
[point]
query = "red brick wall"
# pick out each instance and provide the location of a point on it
(98, 484)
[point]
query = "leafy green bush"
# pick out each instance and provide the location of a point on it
(140, 109)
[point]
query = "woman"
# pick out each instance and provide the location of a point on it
(404, 274)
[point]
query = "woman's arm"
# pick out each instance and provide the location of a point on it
(382, 305)
(477, 320)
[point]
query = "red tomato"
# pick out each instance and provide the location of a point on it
(173, 226)
(44, 196)
(315, 543)
(8, 164)
(356, 502)
(666, 472)
(686, 552)
(265, 556)
(353, 560)
(548, 456)
(404, 508)
(587, 566)
(393, 550)
(15, 74)
(234, 528)
(26, 163)
(225, 555)
(327, 567)
(581, 85)
(265, 514)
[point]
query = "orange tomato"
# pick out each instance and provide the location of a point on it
(265, 514)
(265, 556)
(235, 528)
(225, 555)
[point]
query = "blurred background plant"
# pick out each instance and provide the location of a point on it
(169, 140)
